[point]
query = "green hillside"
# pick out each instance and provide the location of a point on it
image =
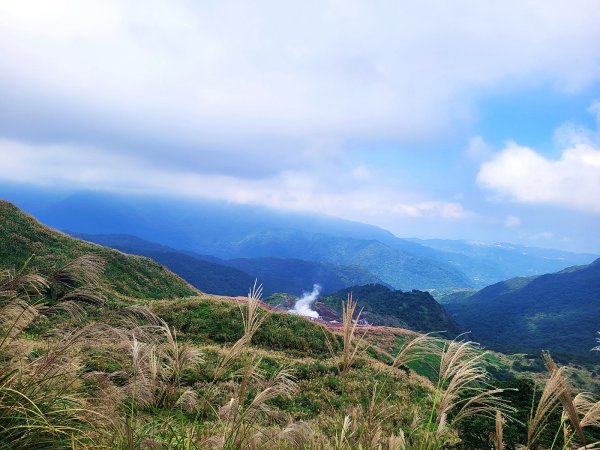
(558, 312)
(414, 310)
(208, 372)
(22, 237)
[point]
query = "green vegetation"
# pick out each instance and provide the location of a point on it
(557, 312)
(414, 310)
(211, 373)
(209, 276)
(135, 380)
(22, 237)
(207, 320)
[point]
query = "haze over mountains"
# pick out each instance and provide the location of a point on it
(357, 252)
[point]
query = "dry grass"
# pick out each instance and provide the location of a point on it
(499, 430)
(144, 394)
(462, 389)
(419, 348)
(351, 344)
(565, 398)
(252, 317)
(548, 402)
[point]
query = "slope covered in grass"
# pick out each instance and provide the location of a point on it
(22, 237)
(211, 320)
(211, 372)
(223, 373)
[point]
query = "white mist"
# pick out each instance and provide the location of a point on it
(303, 305)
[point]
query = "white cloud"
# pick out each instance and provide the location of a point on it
(265, 75)
(543, 236)
(326, 191)
(446, 210)
(521, 174)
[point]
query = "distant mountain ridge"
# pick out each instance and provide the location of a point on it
(233, 277)
(237, 231)
(230, 231)
(558, 311)
(486, 263)
(209, 277)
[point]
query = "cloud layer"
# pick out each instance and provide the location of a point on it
(293, 104)
(204, 85)
(325, 191)
(522, 174)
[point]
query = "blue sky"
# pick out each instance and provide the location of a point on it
(461, 119)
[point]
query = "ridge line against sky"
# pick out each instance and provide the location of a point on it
(465, 120)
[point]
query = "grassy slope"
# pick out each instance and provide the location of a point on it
(213, 320)
(21, 237)
(210, 322)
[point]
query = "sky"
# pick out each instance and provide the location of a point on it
(433, 119)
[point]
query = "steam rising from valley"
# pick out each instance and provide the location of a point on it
(303, 305)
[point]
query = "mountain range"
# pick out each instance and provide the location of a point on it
(558, 312)
(234, 276)
(126, 277)
(242, 234)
